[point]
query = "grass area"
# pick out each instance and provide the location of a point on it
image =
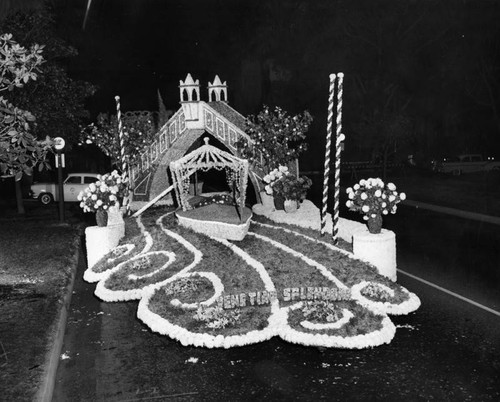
(37, 259)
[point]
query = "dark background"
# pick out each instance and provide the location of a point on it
(434, 62)
(422, 76)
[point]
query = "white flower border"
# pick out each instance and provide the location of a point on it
(346, 317)
(91, 276)
(277, 321)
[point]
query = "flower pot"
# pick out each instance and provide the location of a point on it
(101, 218)
(291, 206)
(267, 200)
(279, 203)
(374, 224)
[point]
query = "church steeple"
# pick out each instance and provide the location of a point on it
(218, 90)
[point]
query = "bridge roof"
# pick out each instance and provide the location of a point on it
(229, 113)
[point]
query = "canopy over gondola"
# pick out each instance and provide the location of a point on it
(205, 158)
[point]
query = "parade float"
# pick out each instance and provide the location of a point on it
(273, 273)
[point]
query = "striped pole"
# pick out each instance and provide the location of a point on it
(329, 130)
(120, 135)
(123, 157)
(339, 137)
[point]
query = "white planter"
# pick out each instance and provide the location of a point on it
(267, 200)
(377, 249)
(115, 217)
(100, 241)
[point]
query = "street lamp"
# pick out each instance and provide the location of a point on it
(60, 163)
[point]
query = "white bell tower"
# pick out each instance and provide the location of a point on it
(190, 97)
(217, 90)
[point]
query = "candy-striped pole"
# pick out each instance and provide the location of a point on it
(329, 130)
(121, 135)
(123, 157)
(339, 137)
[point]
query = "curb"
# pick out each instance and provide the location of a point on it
(46, 390)
(453, 211)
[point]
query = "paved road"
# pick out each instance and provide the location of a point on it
(447, 350)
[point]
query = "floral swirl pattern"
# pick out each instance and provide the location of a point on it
(178, 271)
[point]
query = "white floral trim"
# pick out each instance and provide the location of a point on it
(278, 324)
(406, 307)
(321, 268)
(91, 276)
(218, 291)
(171, 259)
(221, 230)
(109, 295)
(314, 326)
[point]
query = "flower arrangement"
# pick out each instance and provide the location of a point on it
(276, 136)
(282, 183)
(373, 198)
(216, 317)
(106, 192)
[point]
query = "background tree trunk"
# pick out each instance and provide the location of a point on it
(19, 198)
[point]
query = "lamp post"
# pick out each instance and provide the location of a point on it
(60, 163)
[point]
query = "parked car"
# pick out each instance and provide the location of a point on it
(466, 163)
(74, 183)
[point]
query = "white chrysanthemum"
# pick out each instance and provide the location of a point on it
(98, 203)
(364, 196)
(94, 197)
(103, 188)
(269, 189)
(351, 196)
(391, 198)
(402, 196)
(349, 190)
(283, 169)
(365, 208)
(365, 217)
(385, 212)
(384, 204)
(112, 197)
(105, 207)
(378, 193)
(391, 186)
(373, 215)
(80, 196)
(92, 187)
(362, 182)
(356, 187)
(349, 204)
(267, 178)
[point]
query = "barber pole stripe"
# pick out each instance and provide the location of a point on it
(329, 130)
(123, 157)
(121, 135)
(338, 140)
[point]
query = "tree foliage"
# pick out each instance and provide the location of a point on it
(139, 130)
(279, 137)
(55, 99)
(20, 151)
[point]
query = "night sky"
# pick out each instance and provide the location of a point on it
(437, 63)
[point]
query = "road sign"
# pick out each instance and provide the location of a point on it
(59, 143)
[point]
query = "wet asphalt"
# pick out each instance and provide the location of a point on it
(448, 350)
